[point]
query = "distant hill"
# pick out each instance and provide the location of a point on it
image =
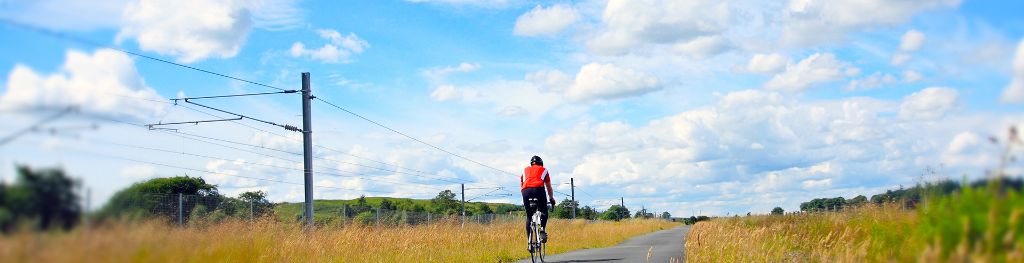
(324, 209)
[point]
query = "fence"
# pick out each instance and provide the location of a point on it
(183, 209)
(197, 209)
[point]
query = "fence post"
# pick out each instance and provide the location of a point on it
(428, 217)
(181, 221)
(378, 216)
(251, 215)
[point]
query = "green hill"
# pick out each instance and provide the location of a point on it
(332, 209)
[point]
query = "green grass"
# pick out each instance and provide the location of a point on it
(975, 224)
(326, 210)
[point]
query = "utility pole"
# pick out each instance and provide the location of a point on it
(572, 192)
(622, 202)
(463, 204)
(307, 149)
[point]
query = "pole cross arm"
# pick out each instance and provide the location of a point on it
(150, 126)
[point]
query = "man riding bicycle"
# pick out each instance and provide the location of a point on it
(532, 182)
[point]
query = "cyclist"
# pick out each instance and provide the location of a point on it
(532, 182)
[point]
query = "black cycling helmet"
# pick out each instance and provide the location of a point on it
(536, 160)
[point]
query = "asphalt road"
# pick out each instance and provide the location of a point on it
(662, 246)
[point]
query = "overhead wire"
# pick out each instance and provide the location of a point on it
(412, 138)
(84, 41)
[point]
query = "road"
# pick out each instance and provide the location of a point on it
(663, 246)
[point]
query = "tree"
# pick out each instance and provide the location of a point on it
(158, 197)
(386, 205)
(588, 213)
(615, 212)
(857, 201)
(257, 200)
(778, 211)
(46, 196)
(564, 208)
(506, 208)
(483, 209)
(666, 215)
(361, 205)
(445, 203)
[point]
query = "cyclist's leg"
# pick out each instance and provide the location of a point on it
(544, 205)
(529, 214)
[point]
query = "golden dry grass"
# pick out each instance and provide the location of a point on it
(973, 225)
(269, 241)
(852, 236)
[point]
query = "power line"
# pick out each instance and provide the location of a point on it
(457, 180)
(354, 174)
(179, 134)
(36, 125)
(412, 138)
(71, 38)
(234, 95)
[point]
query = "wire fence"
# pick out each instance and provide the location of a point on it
(187, 210)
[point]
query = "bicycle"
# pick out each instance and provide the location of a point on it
(537, 248)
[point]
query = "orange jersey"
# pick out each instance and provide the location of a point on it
(534, 176)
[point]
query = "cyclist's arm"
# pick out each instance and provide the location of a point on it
(547, 182)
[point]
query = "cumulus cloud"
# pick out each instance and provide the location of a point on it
(1015, 91)
(189, 32)
(549, 80)
(807, 22)
(441, 72)
(628, 24)
(703, 46)
(873, 81)
(339, 48)
(597, 81)
(765, 143)
(545, 21)
(911, 41)
(767, 63)
(509, 98)
(815, 69)
(446, 93)
(104, 82)
(929, 104)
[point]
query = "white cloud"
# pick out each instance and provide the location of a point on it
(910, 76)
(339, 48)
(808, 22)
(929, 104)
(103, 83)
(446, 93)
(478, 3)
(815, 69)
(703, 46)
(911, 41)
(597, 81)
(549, 80)
(1015, 91)
(509, 98)
(189, 32)
(545, 21)
(630, 23)
(439, 73)
(873, 81)
(767, 63)
(765, 143)
(899, 58)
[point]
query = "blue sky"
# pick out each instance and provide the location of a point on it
(679, 106)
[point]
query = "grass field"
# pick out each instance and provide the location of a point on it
(974, 225)
(331, 208)
(271, 241)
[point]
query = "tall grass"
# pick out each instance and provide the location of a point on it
(981, 224)
(271, 241)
